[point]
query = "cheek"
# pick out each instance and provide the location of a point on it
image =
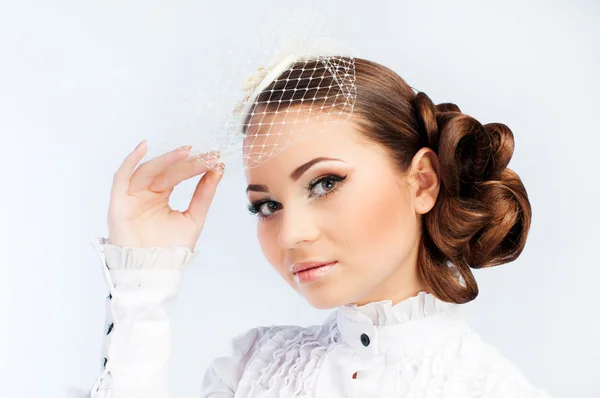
(379, 227)
(267, 238)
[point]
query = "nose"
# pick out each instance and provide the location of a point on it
(296, 226)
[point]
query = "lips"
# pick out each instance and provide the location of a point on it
(309, 275)
(306, 265)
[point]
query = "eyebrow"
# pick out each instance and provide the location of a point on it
(295, 175)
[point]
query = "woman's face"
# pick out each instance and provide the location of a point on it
(337, 198)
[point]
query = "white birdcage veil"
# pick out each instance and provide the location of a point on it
(258, 105)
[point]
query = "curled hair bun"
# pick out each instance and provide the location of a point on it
(482, 215)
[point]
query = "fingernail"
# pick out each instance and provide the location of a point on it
(212, 155)
(139, 145)
(185, 148)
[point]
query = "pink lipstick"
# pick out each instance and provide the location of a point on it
(311, 271)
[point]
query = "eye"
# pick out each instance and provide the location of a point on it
(266, 209)
(327, 184)
(259, 208)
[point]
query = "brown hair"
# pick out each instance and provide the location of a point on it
(482, 214)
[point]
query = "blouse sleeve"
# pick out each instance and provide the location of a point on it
(136, 355)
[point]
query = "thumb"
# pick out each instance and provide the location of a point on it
(203, 196)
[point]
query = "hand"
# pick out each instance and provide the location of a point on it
(139, 214)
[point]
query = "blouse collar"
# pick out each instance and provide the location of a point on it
(379, 327)
(383, 313)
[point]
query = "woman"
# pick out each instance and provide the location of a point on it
(382, 216)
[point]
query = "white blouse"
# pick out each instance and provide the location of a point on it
(420, 347)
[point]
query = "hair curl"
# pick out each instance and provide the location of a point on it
(482, 214)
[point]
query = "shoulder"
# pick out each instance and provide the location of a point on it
(485, 370)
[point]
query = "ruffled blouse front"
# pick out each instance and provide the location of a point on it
(420, 347)
(401, 350)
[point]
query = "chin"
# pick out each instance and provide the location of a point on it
(322, 299)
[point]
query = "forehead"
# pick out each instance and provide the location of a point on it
(278, 146)
(271, 132)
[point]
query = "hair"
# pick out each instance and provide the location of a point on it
(482, 214)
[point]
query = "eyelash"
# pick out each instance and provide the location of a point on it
(254, 208)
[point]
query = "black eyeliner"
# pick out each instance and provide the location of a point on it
(254, 208)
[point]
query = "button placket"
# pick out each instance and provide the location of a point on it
(362, 338)
(366, 337)
(365, 340)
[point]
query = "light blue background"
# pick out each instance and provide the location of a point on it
(82, 83)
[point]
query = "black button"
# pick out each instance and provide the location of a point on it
(105, 360)
(109, 296)
(364, 339)
(110, 327)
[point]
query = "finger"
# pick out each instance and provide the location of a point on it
(123, 174)
(179, 172)
(143, 176)
(203, 196)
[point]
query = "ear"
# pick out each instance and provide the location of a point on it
(424, 179)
